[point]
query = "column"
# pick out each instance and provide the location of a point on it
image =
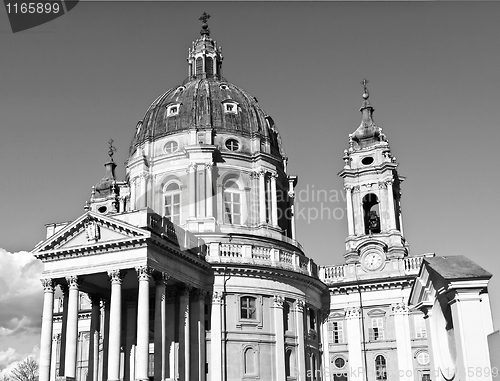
(184, 341)
(62, 350)
(353, 315)
(170, 333)
(262, 197)
(274, 201)
(143, 196)
(192, 189)
(403, 341)
(390, 202)
(72, 328)
(93, 365)
(291, 196)
(357, 209)
(46, 334)
(142, 352)
(115, 323)
(130, 325)
(133, 194)
(350, 221)
(160, 327)
(209, 191)
(56, 339)
(323, 322)
(216, 337)
(472, 351)
(280, 337)
(301, 348)
(197, 335)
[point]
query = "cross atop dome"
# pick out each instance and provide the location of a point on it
(204, 27)
(111, 149)
(366, 94)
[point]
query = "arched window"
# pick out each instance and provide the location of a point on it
(312, 319)
(314, 376)
(371, 214)
(380, 368)
(199, 65)
(287, 317)
(250, 358)
(232, 203)
(209, 66)
(289, 362)
(172, 197)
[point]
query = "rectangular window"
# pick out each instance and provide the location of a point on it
(173, 207)
(248, 307)
(420, 327)
(151, 365)
(232, 205)
(335, 332)
(377, 329)
(426, 377)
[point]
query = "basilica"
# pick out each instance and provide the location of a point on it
(189, 268)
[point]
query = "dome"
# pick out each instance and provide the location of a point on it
(203, 102)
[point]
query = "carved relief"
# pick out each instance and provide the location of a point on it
(399, 308)
(92, 231)
(217, 297)
(352, 312)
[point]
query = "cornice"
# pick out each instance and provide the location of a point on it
(371, 285)
(91, 249)
(243, 269)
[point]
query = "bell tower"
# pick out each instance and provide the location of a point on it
(372, 185)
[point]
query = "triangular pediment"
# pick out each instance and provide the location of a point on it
(89, 230)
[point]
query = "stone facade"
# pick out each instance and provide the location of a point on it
(189, 268)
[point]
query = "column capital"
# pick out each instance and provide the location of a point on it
(74, 281)
(291, 194)
(170, 295)
(95, 299)
(160, 277)
(399, 308)
(356, 189)
(382, 185)
(116, 276)
(352, 312)
(300, 305)
(144, 273)
(348, 188)
(209, 166)
(278, 301)
(262, 173)
(48, 285)
(184, 290)
(198, 294)
(217, 297)
(191, 168)
(273, 175)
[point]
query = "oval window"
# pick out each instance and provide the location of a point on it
(367, 160)
(339, 363)
(171, 146)
(232, 145)
(102, 209)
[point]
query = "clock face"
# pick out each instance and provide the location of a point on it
(373, 261)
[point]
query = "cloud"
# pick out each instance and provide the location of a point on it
(21, 297)
(10, 357)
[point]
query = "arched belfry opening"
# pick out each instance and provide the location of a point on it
(371, 214)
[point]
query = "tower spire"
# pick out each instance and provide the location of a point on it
(205, 57)
(204, 27)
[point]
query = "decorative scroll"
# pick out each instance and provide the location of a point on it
(48, 285)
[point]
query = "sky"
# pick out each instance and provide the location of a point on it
(68, 86)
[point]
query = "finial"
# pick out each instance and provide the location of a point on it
(204, 27)
(111, 149)
(366, 94)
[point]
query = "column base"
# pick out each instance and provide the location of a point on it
(65, 378)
